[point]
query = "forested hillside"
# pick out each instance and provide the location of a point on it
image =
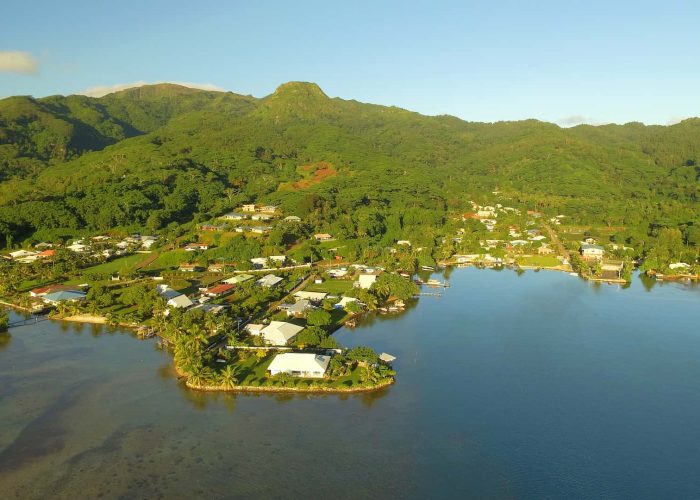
(159, 156)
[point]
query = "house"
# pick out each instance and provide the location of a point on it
(366, 280)
(211, 308)
(406, 243)
(682, 266)
(269, 281)
(173, 298)
(387, 358)
(592, 252)
(262, 262)
(539, 237)
(343, 302)
(323, 237)
(312, 296)
(280, 332)
(545, 250)
(292, 218)
(239, 278)
(194, 247)
(269, 208)
(22, 254)
(466, 258)
(490, 260)
(211, 228)
(516, 243)
(250, 207)
(337, 273)
(77, 248)
(299, 308)
(46, 254)
(254, 328)
(219, 290)
(180, 301)
(300, 364)
(45, 290)
(260, 229)
(236, 215)
(217, 267)
(261, 217)
(56, 298)
(189, 268)
(486, 212)
(590, 240)
(147, 243)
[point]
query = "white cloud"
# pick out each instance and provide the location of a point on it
(101, 90)
(12, 61)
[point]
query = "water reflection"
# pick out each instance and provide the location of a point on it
(470, 416)
(5, 339)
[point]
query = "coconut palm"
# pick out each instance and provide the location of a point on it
(201, 375)
(227, 377)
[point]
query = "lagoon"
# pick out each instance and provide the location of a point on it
(538, 385)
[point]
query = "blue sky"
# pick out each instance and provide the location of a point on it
(560, 61)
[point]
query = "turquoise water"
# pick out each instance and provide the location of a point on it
(531, 386)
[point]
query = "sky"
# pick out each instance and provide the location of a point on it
(561, 61)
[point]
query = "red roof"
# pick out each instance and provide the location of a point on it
(52, 288)
(220, 289)
(46, 253)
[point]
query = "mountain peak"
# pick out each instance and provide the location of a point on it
(300, 89)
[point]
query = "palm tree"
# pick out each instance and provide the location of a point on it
(201, 375)
(227, 377)
(210, 324)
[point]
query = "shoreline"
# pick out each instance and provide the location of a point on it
(302, 390)
(272, 389)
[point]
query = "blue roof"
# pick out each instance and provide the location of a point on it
(64, 295)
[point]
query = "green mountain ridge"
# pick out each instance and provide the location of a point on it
(156, 155)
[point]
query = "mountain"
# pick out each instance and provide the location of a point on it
(158, 155)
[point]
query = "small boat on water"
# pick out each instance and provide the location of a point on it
(434, 282)
(573, 274)
(427, 268)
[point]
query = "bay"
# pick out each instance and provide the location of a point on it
(538, 385)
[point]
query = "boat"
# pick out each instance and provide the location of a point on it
(573, 274)
(427, 268)
(434, 282)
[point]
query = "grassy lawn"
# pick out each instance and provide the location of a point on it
(337, 318)
(27, 285)
(255, 370)
(334, 287)
(122, 264)
(539, 260)
(169, 259)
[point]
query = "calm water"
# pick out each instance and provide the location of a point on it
(532, 386)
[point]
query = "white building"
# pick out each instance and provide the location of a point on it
(280, 332)
(254, 328)
(366, 280)
(269, 281)
(299, 364)
(343, 302)
(311, 296)
(592, 251)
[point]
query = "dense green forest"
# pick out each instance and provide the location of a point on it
(158, 157)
